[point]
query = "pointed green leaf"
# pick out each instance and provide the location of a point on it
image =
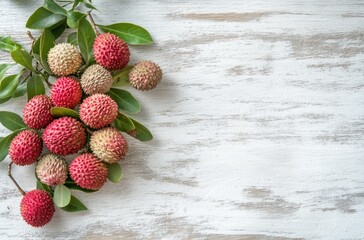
(74, 205)
(4, 100)
(123, 123)
(8, 45)
(3, 69)
(130, 33)
(121, 77)
(72, 185)
(43, 18)
(74, 17)
(64, 112)
(54, 7)
(5, 143)
(20, 90)
(47, 42)
(44, 187)
(23, 58)
(35, 86)
(114, 172)
(140, 132)
(86, 37)
(11, 121)
(8, 85)
(125, 100)
(58, 29)
(62, 196)
(72, 38)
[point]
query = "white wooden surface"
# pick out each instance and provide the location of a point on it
(258, 125)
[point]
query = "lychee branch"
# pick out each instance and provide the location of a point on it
(93, 23)
(12, 178)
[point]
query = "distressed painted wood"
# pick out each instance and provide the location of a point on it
(258, 125)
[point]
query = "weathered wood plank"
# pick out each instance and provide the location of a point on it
(258, 125)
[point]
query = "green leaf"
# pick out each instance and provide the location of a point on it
(86, 37)
(89, 5)
(47, 42)
(123, 123)
(125, 100)
(140, 132)
(35, 86)
(8, 45)
(114, 172)
(54, 7)
(72, 38)
(36, 48)
(4, 100)
(43, 18)
(72, 185)
(5, 143)
(74, 205)
(20, 90)
(23, 58)
(3, 69)
(121, 77)
(74, 17)
(58, 29)
(8, 85)
(62, 196)
(11, 121)
(64, 112)
(44, 187)
(130, 33)
(75, 4)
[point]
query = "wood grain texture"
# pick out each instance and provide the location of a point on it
(258, 125)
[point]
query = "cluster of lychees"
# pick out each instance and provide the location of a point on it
(66, 135)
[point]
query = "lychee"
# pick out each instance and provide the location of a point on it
(98, 110)
(66, 92)
(51, 170)
(25, 148)
(64, 59)
(37, 112)
(88, 172)
(96, 79)
(37, 208)
(111, 52)
(109, 145)
(64, 136)
(145, 75)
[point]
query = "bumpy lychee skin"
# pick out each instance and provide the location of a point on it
(109, 145)
(98, 110)
(37, 112)
(88, 172)
(25, 148)
(64, 136)
(145, 75)
(66, 92)
(51, 170)
(111, 52)
(96, 79)
(37, 208)
(64, 59)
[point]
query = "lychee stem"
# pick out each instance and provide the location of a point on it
(93, 23)
(11, 177)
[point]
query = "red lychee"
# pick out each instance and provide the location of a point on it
(88, 172)
(111, 52)
(66, 92)
(37, 112)
(25, 148)
(37, 208)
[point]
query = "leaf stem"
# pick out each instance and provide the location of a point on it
(11, 177)
(93, 23)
